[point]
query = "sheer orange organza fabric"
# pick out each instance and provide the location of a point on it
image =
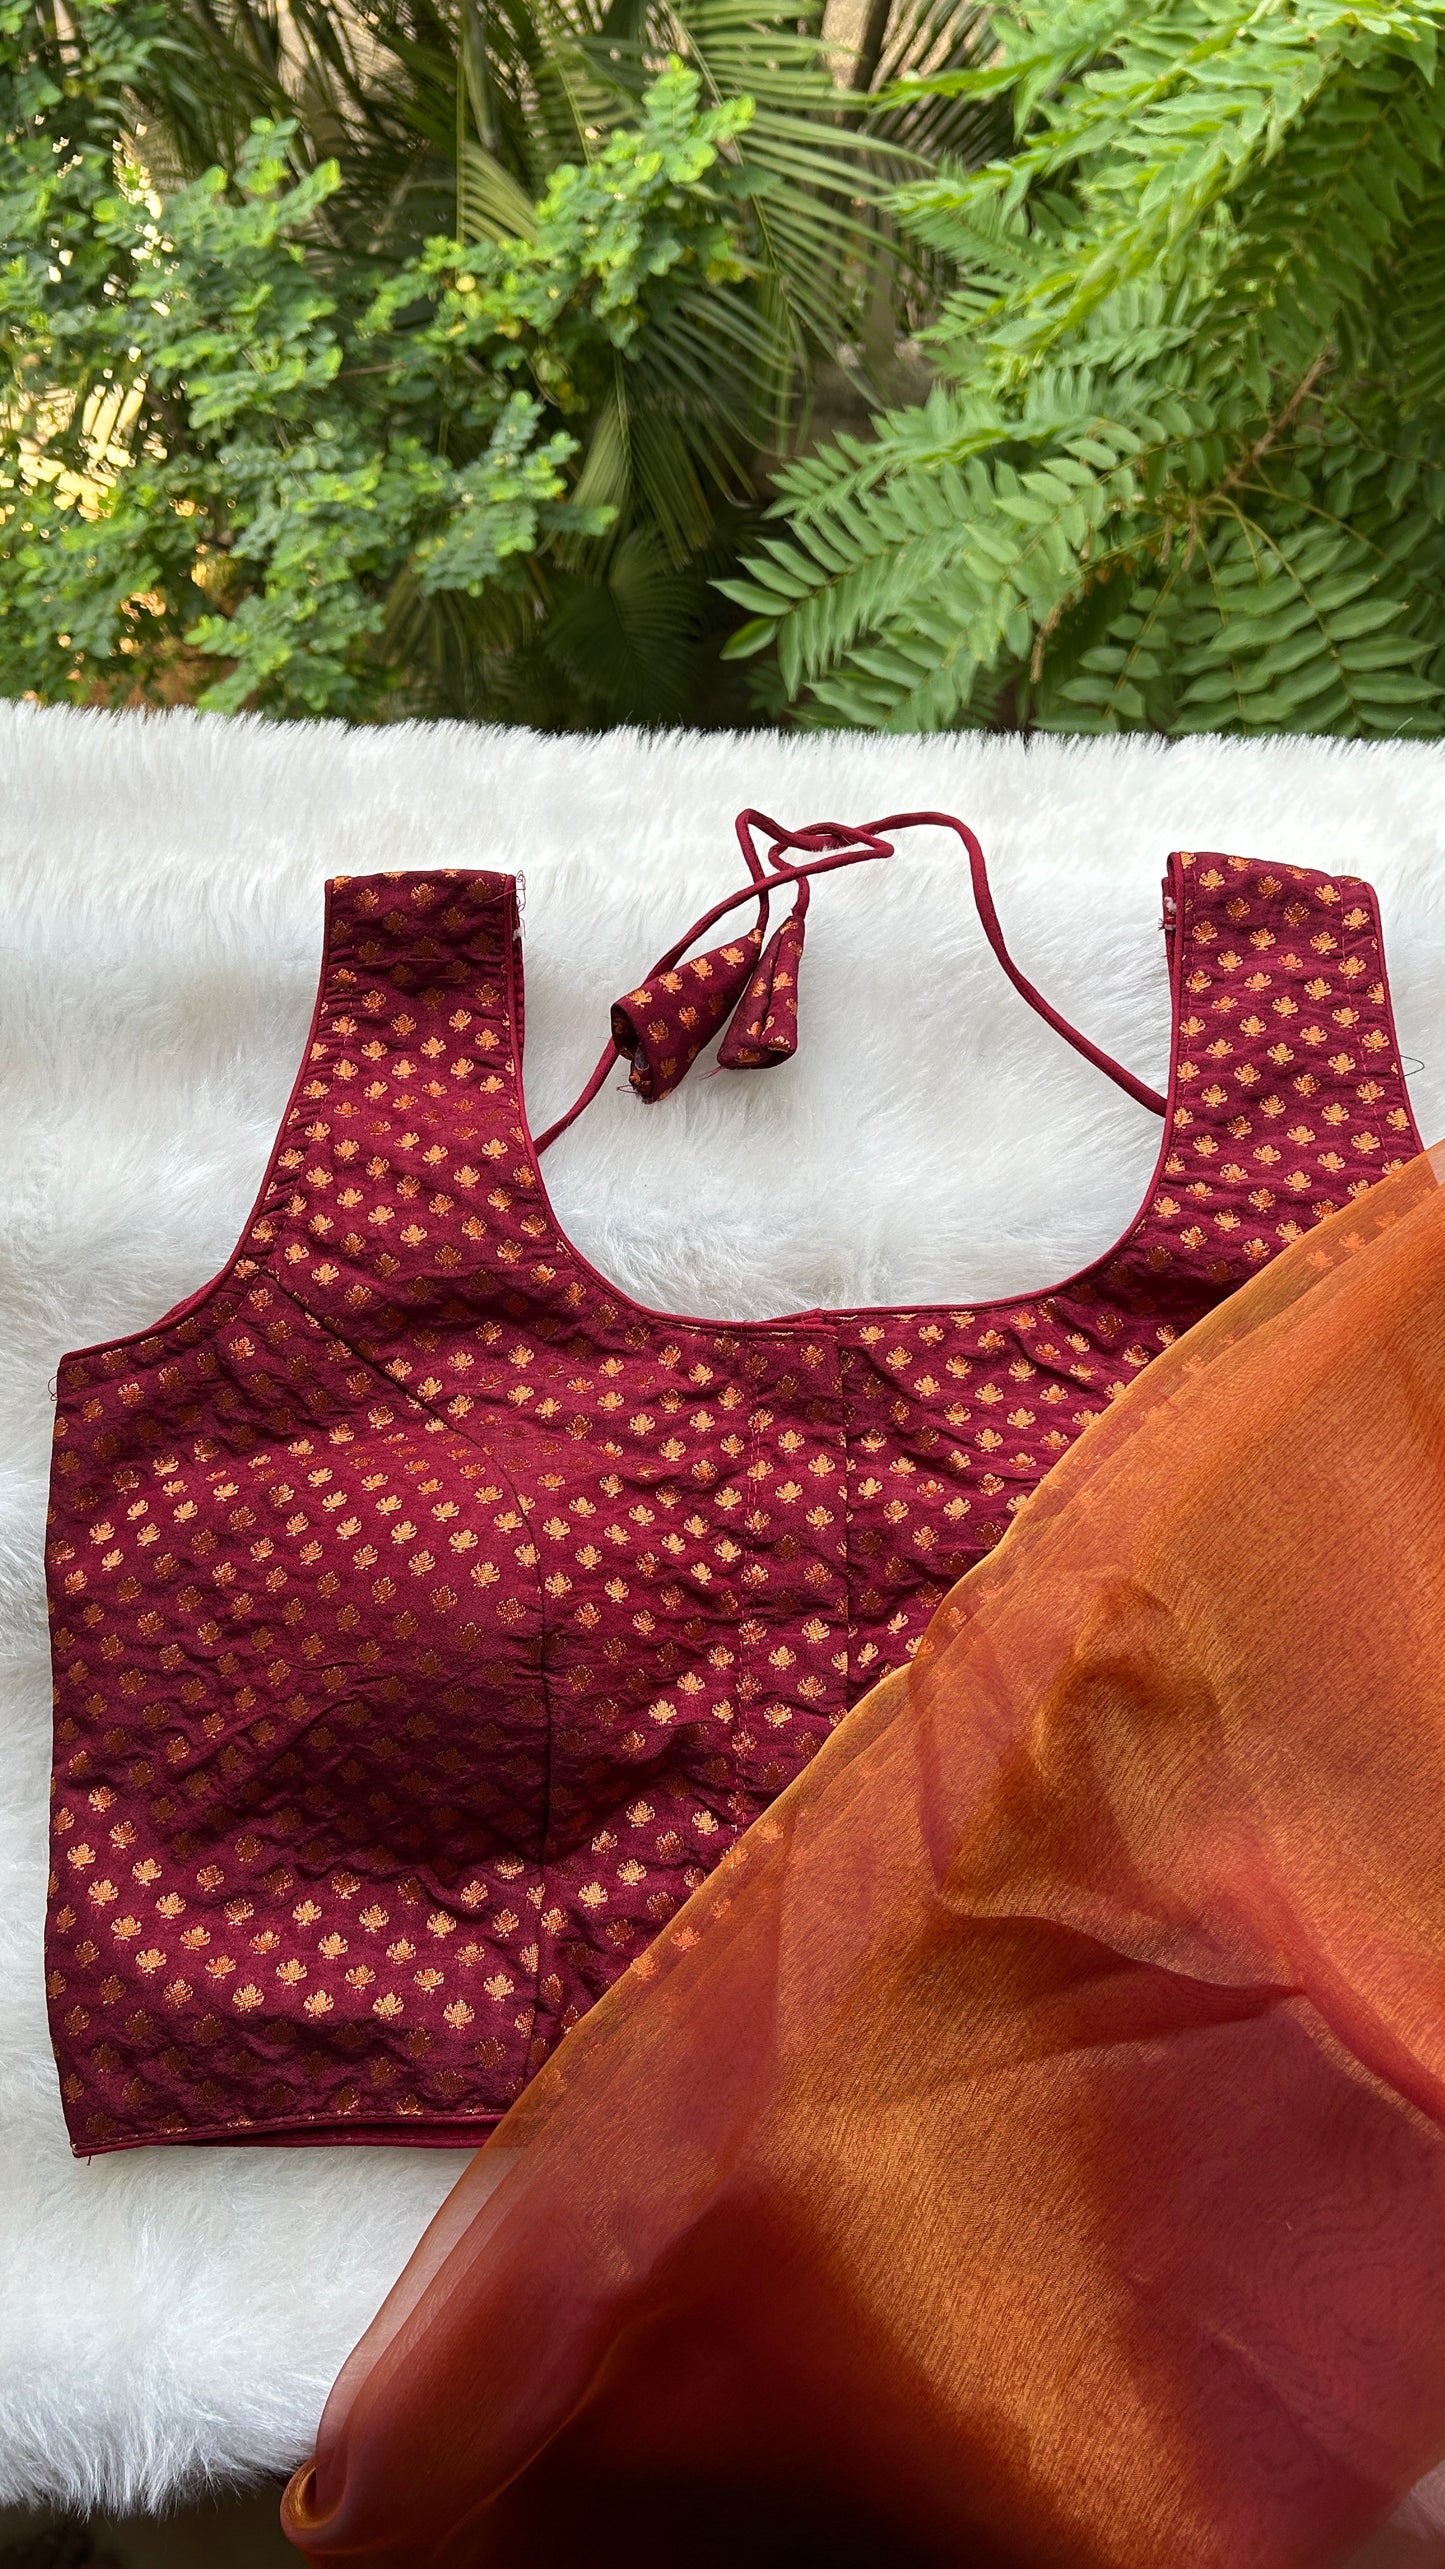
(1029, 2146)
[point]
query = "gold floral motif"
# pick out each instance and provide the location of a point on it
(297, 1622)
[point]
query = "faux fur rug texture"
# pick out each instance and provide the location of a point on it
(177, 2314)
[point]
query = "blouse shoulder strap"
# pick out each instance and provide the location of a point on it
(1289, 1093)
(407, 1112)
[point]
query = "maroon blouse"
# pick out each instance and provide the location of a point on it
(428, 1616)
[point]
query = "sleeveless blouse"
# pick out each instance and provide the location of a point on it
(428, 1616)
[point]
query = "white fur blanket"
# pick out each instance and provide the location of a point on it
(177, 2314)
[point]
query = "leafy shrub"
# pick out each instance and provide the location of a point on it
(457, 415)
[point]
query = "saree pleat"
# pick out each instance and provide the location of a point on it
(1029, 2145)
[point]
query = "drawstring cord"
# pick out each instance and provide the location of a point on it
(824, 847)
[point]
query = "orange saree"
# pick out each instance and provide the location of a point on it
(1029, 2146)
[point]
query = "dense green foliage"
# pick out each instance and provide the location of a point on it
(1182, 466)
(363, 360)
(284, 498)
(415, 356)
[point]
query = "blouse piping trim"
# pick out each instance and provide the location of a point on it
(1397, 1057)
(430, 2131)
(822, 1317)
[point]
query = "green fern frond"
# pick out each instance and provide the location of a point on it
(1180, 467)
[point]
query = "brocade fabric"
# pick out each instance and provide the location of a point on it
(1027, 2150)
(429, 1616)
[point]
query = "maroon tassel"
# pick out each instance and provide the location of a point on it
(764, 1029)
(662, 1026)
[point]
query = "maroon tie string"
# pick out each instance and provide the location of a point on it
(824, 846)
